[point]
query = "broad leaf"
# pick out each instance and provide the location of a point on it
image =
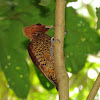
(98, 16)
(12, 57)
(80, 41)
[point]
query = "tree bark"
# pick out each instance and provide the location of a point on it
(59, 62)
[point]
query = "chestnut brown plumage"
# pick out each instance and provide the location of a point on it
(39, 50)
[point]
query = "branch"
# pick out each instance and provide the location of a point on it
(61, 74)
(94, 89)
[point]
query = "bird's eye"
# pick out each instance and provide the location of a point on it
(38, 24)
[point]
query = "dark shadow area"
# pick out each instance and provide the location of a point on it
(25, 43)
(44, 10)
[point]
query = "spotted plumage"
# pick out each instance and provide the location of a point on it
(39, 50)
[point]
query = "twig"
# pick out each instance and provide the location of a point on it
(61, 74)
(94, 89)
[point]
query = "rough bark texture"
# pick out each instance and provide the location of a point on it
(61, 74)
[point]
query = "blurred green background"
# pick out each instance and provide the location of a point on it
(19, 78)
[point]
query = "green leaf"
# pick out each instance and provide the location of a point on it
(4, 6)
(29, 13)
(98, 15)
(33, 13)
(45, 2)
(43, 80)
(68, 1)
(12, 57)
(80, 41)
(90, 10)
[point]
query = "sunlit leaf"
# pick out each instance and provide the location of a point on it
(90, 10)
(45, 2)
(98, 16)
(43, 80)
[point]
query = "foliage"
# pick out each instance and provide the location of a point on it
(22, 76)
(98, 15)
(80, 41)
